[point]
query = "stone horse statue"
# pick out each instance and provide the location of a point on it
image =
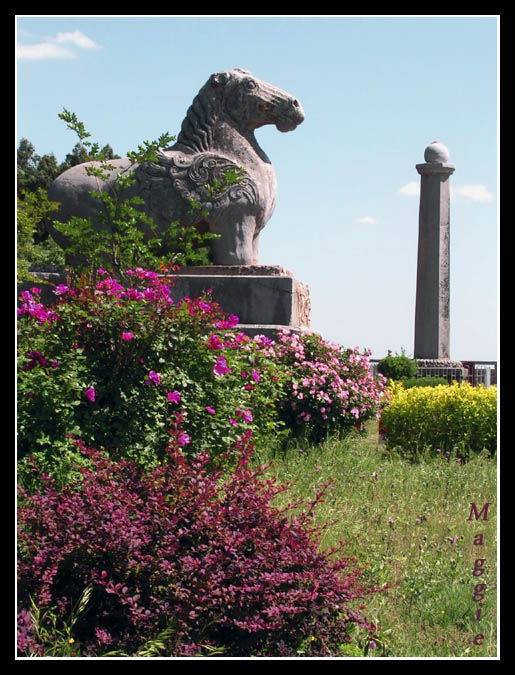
(216, 135)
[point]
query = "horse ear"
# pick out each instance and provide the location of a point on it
(219, 79)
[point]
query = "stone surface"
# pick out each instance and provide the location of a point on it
(263, 300)
(432, 311)
(236, 270)
(436, 152)
(216, 135)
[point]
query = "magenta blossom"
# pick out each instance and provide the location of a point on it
(255, 375)
(61, 289)
(127, 335)
(90, 393)
(246, 414)
(174, 396)
(153, 377)
(220, 367)
(231, 322)
(214, 342)
(210, 410)
(183, 438)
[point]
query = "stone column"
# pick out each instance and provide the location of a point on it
(432, 315)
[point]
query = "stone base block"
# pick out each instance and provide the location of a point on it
(263, 297)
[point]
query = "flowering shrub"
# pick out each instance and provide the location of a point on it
(113, 363)
(443, 418)
(183, 558)
(331, 388)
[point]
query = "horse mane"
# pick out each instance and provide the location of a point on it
(197, 128)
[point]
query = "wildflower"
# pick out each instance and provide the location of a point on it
(153, 377)
(90, 393)
(183, 438)
(220, 367)
(127, 335)
(255, 375)
(246, 414)
(231, 322)
(214, 342)
(233, 421)
(210, 410)
(174, 396)
(61, 289)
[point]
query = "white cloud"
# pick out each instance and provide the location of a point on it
(52, 47)
(77, 38)
(476, 193)
(370, 220)
(44, 50)
(410, 189)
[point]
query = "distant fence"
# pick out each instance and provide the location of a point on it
(475, 372)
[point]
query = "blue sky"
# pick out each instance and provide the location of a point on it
(375, 90)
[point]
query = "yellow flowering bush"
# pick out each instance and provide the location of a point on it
(442, 418)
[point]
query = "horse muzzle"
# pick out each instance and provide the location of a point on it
(289, 116)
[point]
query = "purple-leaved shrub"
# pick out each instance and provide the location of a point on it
(190, 559)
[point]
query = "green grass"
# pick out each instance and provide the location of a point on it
(407, 525)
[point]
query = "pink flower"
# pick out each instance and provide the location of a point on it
(255, 376)
(90, 393)
(214, 342)
(127, 335)
(183, 438)
(61, 289)
(231, 322)
(153, 377)
(246, 414)
(210, 410)
(220, 367)
(174, 396)
(233, 421)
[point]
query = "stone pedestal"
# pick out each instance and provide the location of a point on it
(432, 314)
(264, 297)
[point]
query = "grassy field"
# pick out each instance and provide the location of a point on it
(407, 525)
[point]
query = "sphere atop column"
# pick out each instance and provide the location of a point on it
(436, 153)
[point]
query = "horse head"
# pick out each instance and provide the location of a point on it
(241, 99)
